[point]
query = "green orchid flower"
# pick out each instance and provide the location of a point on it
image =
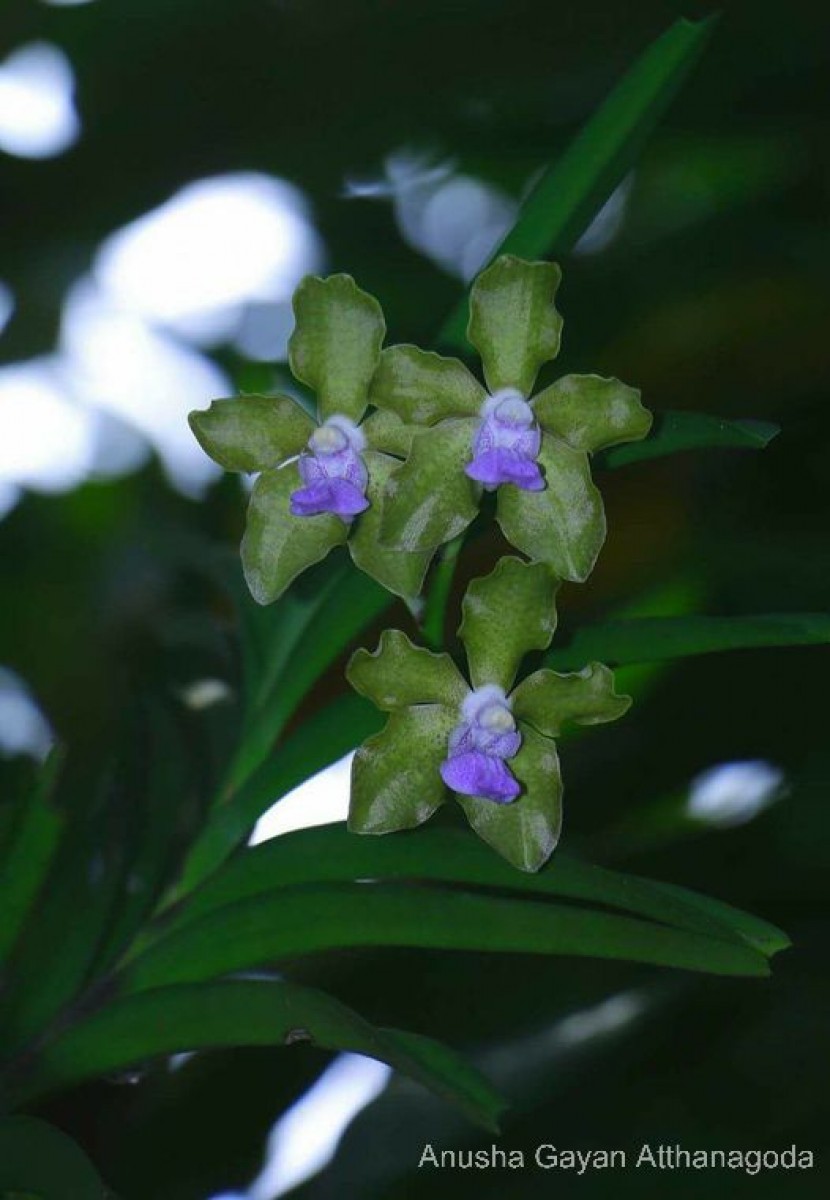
(533, 449)
(321, 482)
(486, 741)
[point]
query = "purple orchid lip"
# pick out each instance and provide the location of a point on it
(333, 472)
(507, 444)
(479, 745)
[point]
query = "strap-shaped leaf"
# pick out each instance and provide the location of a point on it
(286, 922)
(386, 432)
(330, 853)
(248, 1013)
(676, 432)
(396, 782)
(278, 546)
(335, 346)
(655, 639)
(423, 387)
(572, 189)
(399, 571)
(39, 1162)
(548, 700)
(506, 614)
(590, 412)
(526, 831)
(514, 323)
(399, 674)
(430, 500)
(563, 525)
(252, 433)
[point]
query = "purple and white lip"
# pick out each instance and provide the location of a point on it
(507, 444)
(479, 745)
(333, 472)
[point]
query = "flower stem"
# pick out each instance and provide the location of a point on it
(435, 610)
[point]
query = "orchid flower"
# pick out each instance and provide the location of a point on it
(532, 450)
(320, 482)
(487, 741)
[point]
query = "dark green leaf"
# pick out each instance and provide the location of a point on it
(37, 1159)
(574, 188)
(654, 639)
(291, 921)
(674, 432)
(34, 841)
(330, 854)
(251, 1013)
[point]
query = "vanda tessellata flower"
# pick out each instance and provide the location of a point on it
(487, 741)
(320, 482)
(532, 449)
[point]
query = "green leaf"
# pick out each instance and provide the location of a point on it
(335, 346)
(430, 500)
(526, 831)
(396, 781)
(674, 432)
(26, 862)
(506, 614)
(655, 639)
(252, 433)
(386, 432)
(563, 525)
(422, 387)
(291, 921)
(574, 188)
(330, 854)
(37, 1159)
(399, 571)
(590, 412)
(250, 1013)
(514, 323)
(320, 741)
(399, 674)
(277, 546)
(548, 700)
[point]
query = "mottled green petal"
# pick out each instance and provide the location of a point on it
(252, 433)
(514, 324)
(590, 412)
(335, 346)
(422, 387)
(505, 615)
(396, 780)
(399, 674)
(385, 431)
(563, 525)
(430, 500)
(526, 831)
(278, 546)
(399, 571)
(547, 700)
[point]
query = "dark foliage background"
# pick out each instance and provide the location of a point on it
(713, 295)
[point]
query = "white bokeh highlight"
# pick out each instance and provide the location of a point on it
(320, 800)
(215, 247)
(38, 118)
(24, 729)
(305, 1139)
(6, 305)
(734, 793)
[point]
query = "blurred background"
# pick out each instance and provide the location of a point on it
(169, 170)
